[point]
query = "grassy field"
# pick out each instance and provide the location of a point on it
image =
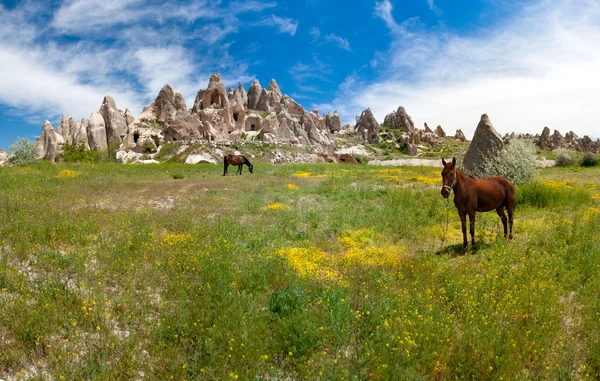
(296, 272)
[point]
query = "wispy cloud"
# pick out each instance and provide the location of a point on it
(339, 41)
(283, 24)
(433, 7)
(315, 69)
(538, 68)
(383, 10)
(315, 33)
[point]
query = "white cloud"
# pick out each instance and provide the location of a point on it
(339, 41)
(433, 7)
(283, 24)
(89, 16)
(315, 69)
(117, 52)
(26, 82)
(315, 33)
(384, 11)
(538, 68)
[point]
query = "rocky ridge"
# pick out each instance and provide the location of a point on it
(261, 114)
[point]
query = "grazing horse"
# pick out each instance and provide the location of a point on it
(473, 195)
(238, 160)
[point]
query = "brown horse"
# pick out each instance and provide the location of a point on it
(473, 195)
(238, 160)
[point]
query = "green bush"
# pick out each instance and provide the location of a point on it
(77, 153)
(362, 159)
(564, 156)
(516, 162)
(589, 160)
(23, 152)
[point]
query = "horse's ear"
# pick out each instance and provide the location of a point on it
(453, 161)
(444, 162)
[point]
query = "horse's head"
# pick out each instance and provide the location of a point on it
(251, 167)
(448, 177)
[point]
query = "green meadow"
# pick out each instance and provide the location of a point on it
(295, 272)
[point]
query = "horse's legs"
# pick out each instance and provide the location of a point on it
(239, 170)
(502, 216)
(463, 225)
(510, 207)
(225, 169)
(472, 228)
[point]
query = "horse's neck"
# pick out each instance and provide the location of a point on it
(461, 181)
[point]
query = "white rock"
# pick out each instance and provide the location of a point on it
(200, 158)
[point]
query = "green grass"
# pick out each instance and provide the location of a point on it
(316, 271)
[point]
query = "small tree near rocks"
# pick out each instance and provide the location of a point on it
(589, 160)
(23, 152)
(564, 156)
(516, 162)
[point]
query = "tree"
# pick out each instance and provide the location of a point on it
(23, 152)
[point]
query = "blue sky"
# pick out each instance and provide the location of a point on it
(527, 64)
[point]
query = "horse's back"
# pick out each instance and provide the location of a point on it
(494, 192)
(234, 159)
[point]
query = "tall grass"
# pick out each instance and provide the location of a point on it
(123, 272)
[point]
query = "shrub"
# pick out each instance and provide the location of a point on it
(111, 153)
(178, 176)
(362, 159)
(516, 162)
(77, 153)
(564, 156)
(23, 152)
(589, 160)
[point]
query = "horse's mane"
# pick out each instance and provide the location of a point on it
(471, 176)
(246, 161)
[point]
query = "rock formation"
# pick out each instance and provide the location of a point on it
(49, 143)
(274, 96)
(486, 143)
(399, 120)
(333, 123)
(544, 140)
(80, 134)
(459, 135)
(368, 127)
(254, 95)
(116, 127)
(439, 131)
(96, 132)
(214, 96)
(3, 158)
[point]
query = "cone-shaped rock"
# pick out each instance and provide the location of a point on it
(367, 125)
(116, 126)
(80, 134)
(96, 132)
(254, 93)
(486, 144)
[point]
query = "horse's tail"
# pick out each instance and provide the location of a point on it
(224, 159)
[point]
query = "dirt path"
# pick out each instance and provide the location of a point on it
(408, 162)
